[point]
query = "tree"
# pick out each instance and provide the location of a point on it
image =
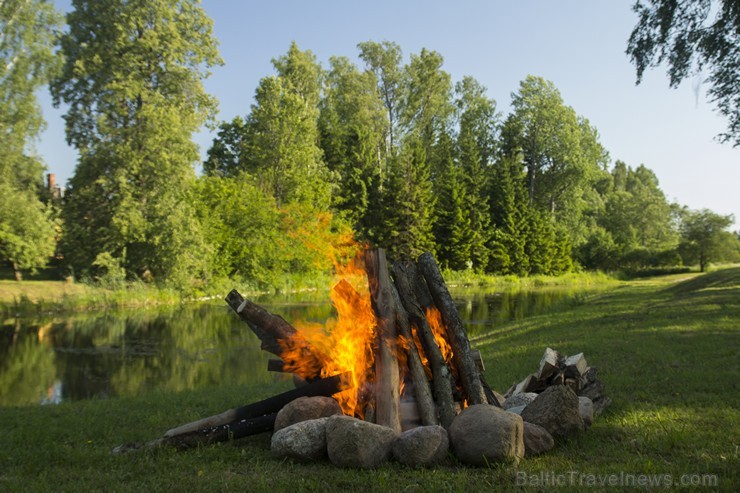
(704, 238)
(132, 78)
(242, 223)
(27, 61)
(509, 214)
(476, 143)
(635, 223)
(427, 98)
(383, 60)
(282, 149)
(452, 224)
(409, 203)
(352, 126)
(680, 32)
(28, 230)
(561, 151)
(228, 154)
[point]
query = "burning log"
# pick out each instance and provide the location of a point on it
(277, 335)
(403, 273)
(458, 337)
(244, 421)
(422, 391)
(218, 433)
(387, 388)
(325, 387)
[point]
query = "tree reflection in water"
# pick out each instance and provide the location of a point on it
(130, 352)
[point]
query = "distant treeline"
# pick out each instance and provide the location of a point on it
(388, 151)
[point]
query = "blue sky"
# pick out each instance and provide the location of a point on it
(578, 45)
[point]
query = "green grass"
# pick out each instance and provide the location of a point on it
(470, 278)
(667, 349)
(30, 298)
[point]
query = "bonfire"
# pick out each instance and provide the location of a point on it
(397, 357)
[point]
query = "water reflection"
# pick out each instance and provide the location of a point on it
(120, 353)
(126, 353)
(483, 309)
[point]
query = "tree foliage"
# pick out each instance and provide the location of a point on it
(389, 152)
(132, 78)
(27, 61)
(682, 34)
(352, 126)
(704, 237)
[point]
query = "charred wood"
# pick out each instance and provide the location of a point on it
(387, 398)
(403, 275)
(458, 336)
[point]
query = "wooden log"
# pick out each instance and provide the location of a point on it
(478, 360)
(205, 436)
(276, 365)
(548, 364)
(323, 387)
(422, 391)
(278, 336)
(403, 276)
(529, 384)
(387, 385)
(458, 337)
(233, 430)
(575, 366)
(216, 420)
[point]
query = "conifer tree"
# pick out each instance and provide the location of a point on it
(452, 224)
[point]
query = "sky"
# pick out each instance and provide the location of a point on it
(579, 45)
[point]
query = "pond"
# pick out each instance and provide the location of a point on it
(130, 352)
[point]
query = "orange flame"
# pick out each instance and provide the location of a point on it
(347, 340)
(434, 317)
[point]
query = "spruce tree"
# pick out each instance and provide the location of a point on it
(452, 224)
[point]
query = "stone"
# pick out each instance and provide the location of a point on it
(352, 442)
(516, 410)
(305, 408)
(586, 410)
(519, 400)
(483, 434)
(556, 410)
(303, 441)
(422, 446)
(537, 440)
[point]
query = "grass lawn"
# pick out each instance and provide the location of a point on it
(35, 291)
(667, 349)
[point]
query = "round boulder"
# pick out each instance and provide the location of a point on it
(482, 434)
(304, 441)
(537, 440)
(556, 410)
(421, 446)
(352, 442)
(305, 408)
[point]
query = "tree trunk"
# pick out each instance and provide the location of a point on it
(17, 272)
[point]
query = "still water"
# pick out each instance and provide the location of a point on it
(130, 352)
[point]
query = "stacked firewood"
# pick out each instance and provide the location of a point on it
(559, 369)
